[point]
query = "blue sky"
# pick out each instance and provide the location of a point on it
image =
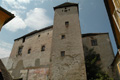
(37, 14)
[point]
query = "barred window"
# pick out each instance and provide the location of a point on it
(94, 42)
(20, 50)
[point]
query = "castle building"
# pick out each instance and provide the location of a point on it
(101, 44)
(56, 52)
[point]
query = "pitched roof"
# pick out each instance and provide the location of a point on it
(92, 34)
(8, 13)
(35, 31)
(67, 4)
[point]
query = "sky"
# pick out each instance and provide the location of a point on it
(36, 14)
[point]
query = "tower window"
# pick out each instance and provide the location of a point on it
(24, 39)
(94, 42)
(20, 50)
(62, 36)
(43, 48)
(65, 10)
(62, 53)
(29, 51)
(67, 23)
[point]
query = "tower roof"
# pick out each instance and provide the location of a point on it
(67, 4)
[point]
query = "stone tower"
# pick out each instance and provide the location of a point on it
(67, 56)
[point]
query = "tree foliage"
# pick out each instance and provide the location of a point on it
(93, 66)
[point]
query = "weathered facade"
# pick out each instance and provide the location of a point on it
(101, 44)
(56, 52)
(67, 56)
(31, 60)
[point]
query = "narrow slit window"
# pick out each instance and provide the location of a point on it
(38, 35)
(43, 48)
(24, 39)
(62, 53)
(29, 51)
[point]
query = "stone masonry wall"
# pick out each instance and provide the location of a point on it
(36, 59)
(71, 66)
(103, 48)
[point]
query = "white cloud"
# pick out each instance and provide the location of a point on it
(4, 52)
(42, 1)
(15, 24)
(24, 1)
(5, 49)
(16, 4)
(5, 45)
(37, 19)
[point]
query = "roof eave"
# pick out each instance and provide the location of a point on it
(8, 13)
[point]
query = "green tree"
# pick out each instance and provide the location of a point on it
(93, 66)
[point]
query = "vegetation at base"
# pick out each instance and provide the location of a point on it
(93, 66)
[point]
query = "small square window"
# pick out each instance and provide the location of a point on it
(29, 51)
(67, 23)
(94, 42)
(43, 48)
(65, 10)
(62, 53)
(62, 36)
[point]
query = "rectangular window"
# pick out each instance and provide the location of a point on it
(29, 51)
(62, 36)
(94, 42)
(20, 50)
(66, 23)
(43, 48)
(62, 53)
